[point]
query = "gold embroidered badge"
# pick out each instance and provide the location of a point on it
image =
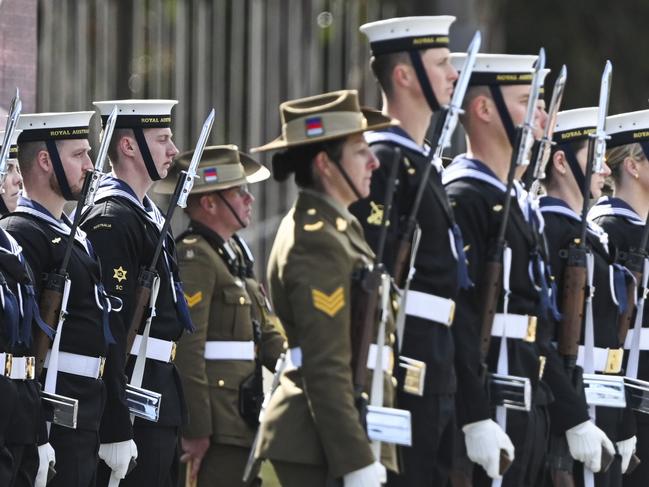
(329, 304)
(376, 215)
(313, 227)
(119, 274)
(194, 299)
(341, 224)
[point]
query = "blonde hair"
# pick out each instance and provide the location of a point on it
(615, 158)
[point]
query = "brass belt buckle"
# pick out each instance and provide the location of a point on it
(614, 360)
(413, 382)
(102, 364)
(8, 364)
(172, 357)
(30, 368)
(531, 329)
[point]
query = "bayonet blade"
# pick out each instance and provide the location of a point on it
(553, 111)
(600, 134)
(15, 109)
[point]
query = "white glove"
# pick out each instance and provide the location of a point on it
(118, 455)
(626, 448)
(585, 442)
(371, 476)
(46, 456)
(484, 440)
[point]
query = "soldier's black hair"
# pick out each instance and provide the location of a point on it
(299, 160)
(383, 66)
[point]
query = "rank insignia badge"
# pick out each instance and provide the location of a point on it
(329, 304)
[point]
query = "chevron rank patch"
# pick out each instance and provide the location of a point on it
(194, 299)
(329, 304)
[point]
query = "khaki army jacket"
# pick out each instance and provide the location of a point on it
(312, 418)
(222, 301)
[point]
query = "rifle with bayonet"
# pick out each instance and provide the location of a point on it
(52, 306)
(493, 281)
(10, 130)
(576, 274)
(148, 274)
(441, 137)
(543, 148)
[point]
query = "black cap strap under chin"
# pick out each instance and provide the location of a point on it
(424, 82)
(146, 154)
(348, 179)
(505, 117)
(234, 213)
(575, 168)
(59, 172)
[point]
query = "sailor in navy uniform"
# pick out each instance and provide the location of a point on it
(496, 101)
(623, 217)
(53, 157)
(561, 209)
(124, 226)
(415, 49)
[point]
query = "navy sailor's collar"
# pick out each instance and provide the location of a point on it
(398, 136)
(464, 167)
(611, 206)
(550, 204)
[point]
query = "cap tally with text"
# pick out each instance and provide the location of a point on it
(13, 148)
(41, 127)
(498, 69)
(407, 33)
(627, 128)
(324, 117)
(221, 167)
(137, 113)
(575, 125)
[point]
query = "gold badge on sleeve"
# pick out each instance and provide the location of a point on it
(329, 304)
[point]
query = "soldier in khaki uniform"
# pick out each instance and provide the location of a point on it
(236, 332)
(311, 430)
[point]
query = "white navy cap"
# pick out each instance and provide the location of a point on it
(575, 125)
(54, 126)
(137, 113)
(408, 33)
(627, 128)
(498, 69)
(13, 149)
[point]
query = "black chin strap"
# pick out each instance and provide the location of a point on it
(645, 148)
(234, 213)
(348, 179)
(424, 82)
(574, 166)
(146, 154)
(505, 117)
(59, 172)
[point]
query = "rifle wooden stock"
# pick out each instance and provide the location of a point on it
(365, 300)
(561, 478)
(572, 309)
(634, 263)
(140, 306)
(50, 310)
(490, 294)
(402, 260)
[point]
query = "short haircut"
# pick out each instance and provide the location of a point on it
(27, 152)
(113, 153)
(383, 65)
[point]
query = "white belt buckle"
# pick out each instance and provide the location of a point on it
(389, 425)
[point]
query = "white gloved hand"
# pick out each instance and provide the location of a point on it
(626, 448)
(118, 456)
(46, 456)
(371, 476)
(484, 440)
(585, 442)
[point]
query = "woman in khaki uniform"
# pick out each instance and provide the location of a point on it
(236, 332)
(311, 429)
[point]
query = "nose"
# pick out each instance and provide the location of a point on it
(606, 170)
(372, 163)
(87, 163)
(173, 150)
(453, 74)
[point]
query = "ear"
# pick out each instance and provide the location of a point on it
(321, 164)
(401, 75)
(44, 161)
(482, 108)
(127, 146)
(631, 167)
(207, 203)
(559, 163)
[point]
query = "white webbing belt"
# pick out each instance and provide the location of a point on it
(430, 307)
(229, 350)
(518, 326)
(76, 364)
(644, 339)
(295, 357)
(602, 358)
(156, 349)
